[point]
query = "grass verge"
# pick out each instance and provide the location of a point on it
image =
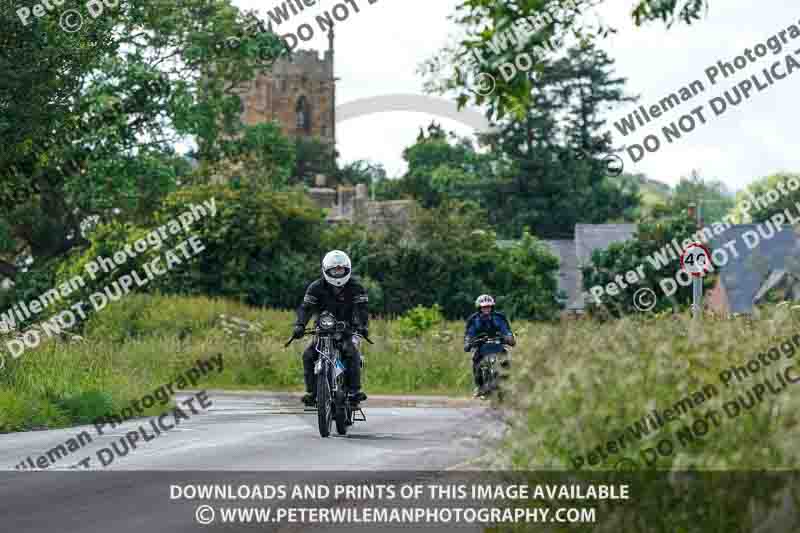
(134, 346)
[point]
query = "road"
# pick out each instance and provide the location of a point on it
(238, 434)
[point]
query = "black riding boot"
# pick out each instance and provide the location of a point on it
(354, 375)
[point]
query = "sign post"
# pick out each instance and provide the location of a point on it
(697, 283)
(696, 260)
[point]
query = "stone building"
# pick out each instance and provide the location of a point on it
(351, 204)
(300, 95)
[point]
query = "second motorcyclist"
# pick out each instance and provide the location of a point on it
(490, 323)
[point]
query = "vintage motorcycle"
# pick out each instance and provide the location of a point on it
(333, 400)
(491, 364)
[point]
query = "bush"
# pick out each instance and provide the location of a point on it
(524, 282)
(263, 248)
(419, 320)
(86, 406)
(260, 248)
(23, 412)
(619, 258)
(444, 260)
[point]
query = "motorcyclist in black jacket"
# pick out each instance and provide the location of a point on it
(339, 293)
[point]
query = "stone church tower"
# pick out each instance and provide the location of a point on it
(300, 95)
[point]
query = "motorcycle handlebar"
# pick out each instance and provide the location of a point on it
(316, 330)
(483, 339)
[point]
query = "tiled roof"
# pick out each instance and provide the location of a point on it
(742, 276)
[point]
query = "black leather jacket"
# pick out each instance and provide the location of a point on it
(349, 305)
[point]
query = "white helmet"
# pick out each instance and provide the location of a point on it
(484, 300)
(336, 268)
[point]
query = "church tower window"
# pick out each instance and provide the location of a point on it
(303, 115)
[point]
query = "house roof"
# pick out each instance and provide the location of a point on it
(572, 254)
(775, 278)
(742, 276)
(591, 237)
(568, 280)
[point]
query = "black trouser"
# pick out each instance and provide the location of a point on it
(476, 374)
(352, 361)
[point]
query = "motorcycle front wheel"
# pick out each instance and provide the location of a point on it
(324, 401)
(341, 411)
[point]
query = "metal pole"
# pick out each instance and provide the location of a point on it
(697, 282)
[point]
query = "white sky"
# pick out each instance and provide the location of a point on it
(379, 48)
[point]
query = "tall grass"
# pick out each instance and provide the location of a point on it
(142, 342)
(578, 385)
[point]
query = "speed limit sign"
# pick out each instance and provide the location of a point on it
(696, 260)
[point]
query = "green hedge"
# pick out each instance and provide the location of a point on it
(263, 248)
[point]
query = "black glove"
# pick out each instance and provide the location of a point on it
(467, 345)
(298, 331)
(364, 332)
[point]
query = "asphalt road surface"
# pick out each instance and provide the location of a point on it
(245, 434)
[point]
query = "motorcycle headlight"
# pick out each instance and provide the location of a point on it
(327, 321)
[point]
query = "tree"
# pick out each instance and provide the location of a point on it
(90, 117)
(620, 258)
(442, 166)
(783, 197)
(313, 156)
(714, 197)
(445, 260)
(552, 23)
(260, 248)
(556, 152)
(262, 158)
(361, 171)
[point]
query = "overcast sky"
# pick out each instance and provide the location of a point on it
(379, 49)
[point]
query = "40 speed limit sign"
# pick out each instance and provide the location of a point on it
(696, 260)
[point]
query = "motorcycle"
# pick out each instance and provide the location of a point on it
(490, 365)
(333, 400)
